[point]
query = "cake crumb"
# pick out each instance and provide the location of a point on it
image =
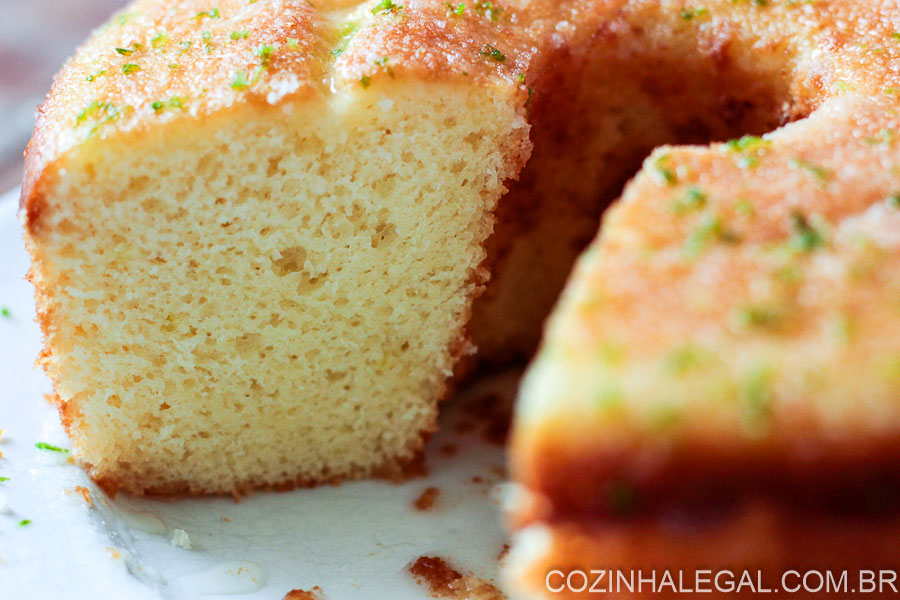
(414, 469)
(313, 594)
(83, 492)
(444, 581)
(503, 552)
(426, 499)
(181, 539)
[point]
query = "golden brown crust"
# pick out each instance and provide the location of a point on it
(426, 38)
(398, 470)
(575, 484)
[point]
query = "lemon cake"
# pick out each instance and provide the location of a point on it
(256, 231)
(265, 234)
(718, 385)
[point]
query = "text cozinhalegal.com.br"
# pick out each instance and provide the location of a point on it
(604, 581)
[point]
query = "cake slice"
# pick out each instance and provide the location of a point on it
(257, 230)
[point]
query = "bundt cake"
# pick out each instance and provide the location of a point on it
(719, 386)
(265, 234)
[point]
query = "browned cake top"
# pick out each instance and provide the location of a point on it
(160, 60)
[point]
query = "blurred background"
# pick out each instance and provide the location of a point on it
(36, 37)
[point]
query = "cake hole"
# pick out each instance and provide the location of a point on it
(333, 376)
(292, 260)
(249, 343)
(474, 139)
(384, 234)
(273, 165)
(597, 111)
(385, 186)
(310, 283)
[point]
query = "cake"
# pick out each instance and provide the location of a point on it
(718, 385)
(256, 232)
(265, 235)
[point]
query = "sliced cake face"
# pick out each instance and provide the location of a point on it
(264, 289)
(730, 338)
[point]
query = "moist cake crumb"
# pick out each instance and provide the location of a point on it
(503, 552)
(444, 581)
(313, 594)
(427, 499)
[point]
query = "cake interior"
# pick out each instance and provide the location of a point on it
(271, 296)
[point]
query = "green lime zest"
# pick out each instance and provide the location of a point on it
(49, 447)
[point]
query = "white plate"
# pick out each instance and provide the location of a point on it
(355, 540)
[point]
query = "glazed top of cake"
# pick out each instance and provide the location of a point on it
(163, 60)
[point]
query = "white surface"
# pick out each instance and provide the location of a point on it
(353, 541)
